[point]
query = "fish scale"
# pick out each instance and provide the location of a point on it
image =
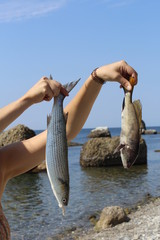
(57, 150)
(130, 129)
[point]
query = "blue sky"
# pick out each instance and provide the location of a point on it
(68, 39)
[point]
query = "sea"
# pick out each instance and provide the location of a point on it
(33, 212)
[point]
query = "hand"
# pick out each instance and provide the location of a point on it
(44, 89)
(118, 72)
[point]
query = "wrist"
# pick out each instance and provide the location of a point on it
(96, 78)
(25, 101)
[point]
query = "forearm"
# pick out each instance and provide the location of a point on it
(9, 113)
(80, 106)
(20, 157)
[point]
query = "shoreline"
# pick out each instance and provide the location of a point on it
(144, 224)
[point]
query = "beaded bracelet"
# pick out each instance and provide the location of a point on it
(96, 78)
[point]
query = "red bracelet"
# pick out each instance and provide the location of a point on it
(96, 78)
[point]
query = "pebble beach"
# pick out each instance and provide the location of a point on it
(144, 224)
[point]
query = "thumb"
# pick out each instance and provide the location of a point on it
(125, 83)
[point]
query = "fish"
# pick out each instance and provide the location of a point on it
(130, 135)
(57, 148)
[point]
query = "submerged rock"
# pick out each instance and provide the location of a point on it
(99, 132)
(99, 152)
(110, 217)
(15, 134)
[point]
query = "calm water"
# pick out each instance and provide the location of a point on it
(33, 212)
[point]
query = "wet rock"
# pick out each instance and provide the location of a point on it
(15, 134)
(99, 132)
(99, 152)
(110, 217)
(40, 168)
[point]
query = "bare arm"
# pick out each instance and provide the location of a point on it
(79, 108)
(23, 156)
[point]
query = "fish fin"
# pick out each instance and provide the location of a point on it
(138, 108)
(67, 87)
(48, 119)
(51, 77)
(123, 104)
(66, 116)
(120, 146)
(63, 210)
(71, 85)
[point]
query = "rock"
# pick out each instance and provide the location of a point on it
(40, 168)
(146, 131)
(16, 134)
(110, 217)
(149, 131)
(74, 144)
(99, 132)
(143, 125)
(99, 152)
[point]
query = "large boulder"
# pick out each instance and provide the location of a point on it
(15, 134)
(99, 152)
(99, 132)
(110, 217)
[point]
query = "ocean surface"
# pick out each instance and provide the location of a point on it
(33, 212)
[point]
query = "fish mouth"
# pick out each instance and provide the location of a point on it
(128, 157)
(129, 164)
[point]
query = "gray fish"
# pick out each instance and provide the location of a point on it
(57, 149)
(130, 130)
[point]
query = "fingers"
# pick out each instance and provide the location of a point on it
(54, 87)
(125, 83)
(51, 88)
(126, 71)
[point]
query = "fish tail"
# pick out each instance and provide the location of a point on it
(68, 87)
(71, 85)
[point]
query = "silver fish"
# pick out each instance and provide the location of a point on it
(130, 130)
(57, 150)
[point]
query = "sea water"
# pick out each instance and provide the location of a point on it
(33, 212)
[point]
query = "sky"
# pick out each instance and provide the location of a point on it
(68, 39)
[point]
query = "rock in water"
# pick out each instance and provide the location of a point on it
(15, 134)
(99, 152)
(99, 132)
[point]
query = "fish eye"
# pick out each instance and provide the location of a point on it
(64, 200)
